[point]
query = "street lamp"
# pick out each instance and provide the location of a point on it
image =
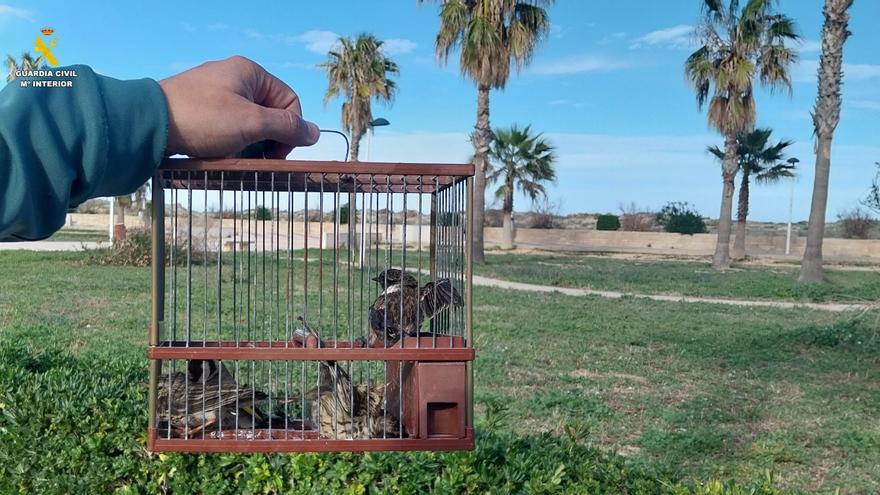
(792, 162)
(380, 122)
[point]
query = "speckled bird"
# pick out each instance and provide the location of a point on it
(204, 396)
(344, 412)
(402, 306)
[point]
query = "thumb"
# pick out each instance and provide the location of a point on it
(287, 128)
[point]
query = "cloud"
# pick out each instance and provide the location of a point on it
(10, 12)
(188, 27)
(218, 26)
(680, 36)
(805, 71)
(398, 46)
(608, 39)
(578, 64)
(252, 33)
(316, 41)
(809, 46)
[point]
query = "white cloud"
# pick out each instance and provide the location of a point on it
(218, 26)
(188, 27)
(566, 103)
(865, 104)
(398, 46)
(316, 41)
(680, 36)
(10, 12)
(608, 39)
(252, 33)
(805, 71)
(809, 46)
(578, 64)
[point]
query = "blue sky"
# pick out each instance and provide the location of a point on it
(606, 87)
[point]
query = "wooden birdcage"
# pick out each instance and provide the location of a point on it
(310, 306)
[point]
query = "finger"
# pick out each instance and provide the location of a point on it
(288, 129)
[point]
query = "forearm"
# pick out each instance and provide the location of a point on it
(62, 146)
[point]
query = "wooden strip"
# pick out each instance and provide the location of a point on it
(315, 166)
(156, 444)
(302, 354)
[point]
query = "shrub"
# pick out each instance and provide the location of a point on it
(263, 213)
(343, 214)
(545, 215)
(607, 222)
(681, 218)
(137, 250)
(855, 224)
(633, 219)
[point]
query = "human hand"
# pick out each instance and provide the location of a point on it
(219, 108)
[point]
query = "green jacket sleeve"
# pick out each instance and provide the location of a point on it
(60, 146)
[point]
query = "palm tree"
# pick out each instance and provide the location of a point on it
(358, 70)
(737, 46)
(872, 200)
(825, 118)
(28, 62)
(766, 164)
(521, 161)
(490, 34)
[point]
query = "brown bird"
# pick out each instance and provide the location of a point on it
(403, 306)
(204, 396)
(342, 411)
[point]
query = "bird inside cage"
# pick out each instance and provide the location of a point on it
(204, 396)
(342, 410)
(403, 306)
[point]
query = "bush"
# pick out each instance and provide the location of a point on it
(343, 214)
(75, 423)
(607, 222)
(263, 213)
(855, 224)
(137, 250)
(633, 219)
(681, 218)
(545, 215)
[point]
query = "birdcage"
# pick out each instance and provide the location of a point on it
(310, 306)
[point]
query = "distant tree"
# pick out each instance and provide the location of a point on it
(263, 213)
(737, 46)
(522, 161)
(490, 35)
(758, 159)
(681, 218)
(855, 224)
(872, 200)
(359, 71)
(28, 62)
(607, 222)
(826, 115)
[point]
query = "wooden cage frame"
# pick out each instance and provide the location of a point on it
(244, 169)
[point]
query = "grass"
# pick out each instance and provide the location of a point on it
(79, 235)
(683, 277)
(680, 392)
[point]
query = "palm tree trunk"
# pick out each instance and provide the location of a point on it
(507, 241)
(721, 258)
(481, 148)
(355, 146)
(826, 116)
(351, 235)
(811, 265)
(742, 214)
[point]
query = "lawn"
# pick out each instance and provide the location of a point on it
(79, 235)
(585, 394)
(683, 277)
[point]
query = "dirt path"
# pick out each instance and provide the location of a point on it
(504, 284)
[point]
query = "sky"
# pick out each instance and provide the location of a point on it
(606, 87)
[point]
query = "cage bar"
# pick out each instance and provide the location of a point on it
(272, 334)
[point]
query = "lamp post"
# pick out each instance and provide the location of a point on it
(793, 162)
(380, 122)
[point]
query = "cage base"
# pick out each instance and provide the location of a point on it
(296, 443)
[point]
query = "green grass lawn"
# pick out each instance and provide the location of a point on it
(79, 235)
(677, 276)
(678, 393)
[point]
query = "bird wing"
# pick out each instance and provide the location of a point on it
(437, 296)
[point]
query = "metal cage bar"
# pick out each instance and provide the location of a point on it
(385, 343)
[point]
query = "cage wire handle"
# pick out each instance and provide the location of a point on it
(347, 144)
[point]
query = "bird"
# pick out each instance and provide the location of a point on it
(403, 306)
(343, 411)
(203, 396)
